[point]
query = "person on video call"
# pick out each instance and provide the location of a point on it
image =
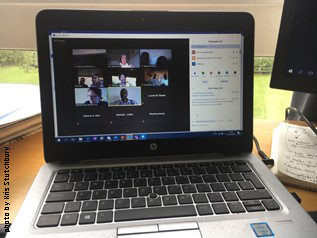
(94, 97)
(144, 59)
(95, 81)
(82, 83)
(123, 81)
(156, 81)
(124, 98)
(123, 62)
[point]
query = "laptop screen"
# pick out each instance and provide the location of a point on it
(119, 86)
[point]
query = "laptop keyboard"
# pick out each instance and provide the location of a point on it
(117, 194)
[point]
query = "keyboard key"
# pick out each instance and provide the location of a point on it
(217, 187)
(271, 204)
(182, 180)
(127, 183)
(190, 188)
(105, 204)
(204, 209)
(230, 196)
(144, 191)
(87, 218)
(89, 206)
(216, 163)
(72, 207)
(112, 184)
(159, 173)
(180, 165)
(116, 169)
(48, 220)
(99, 194)
(118, 175)
(168, 181)
(223, 178)
(246, 185)
(185, 199)
(115, 193)
(236, 207)
(155, 213)
(76, 177)
(252, 203)
(212, 170)
(129, 168)
(255, 208)
(169, 200)
(204, 164)
(186, 171)
(199, 171)
(137, 202)
(172, 172)
(69, 219)
(192, 165)
(90, 170)
(105, 176)
(61, 197)
(174, 189)
(154, 181)
(215, 197)
(167, 166)
(209, 178)
(255, 181)
(74, 171)
(161, 190)
(130, 192)
(142, 167)
(104, 217)
(96, 185)
(240, 168)
(154, 202)
(63, 171)
(91, 176)
(86, 195)
(122, 203)
(200, 198)
(196, 179)
(53, 208)
(133, 174)
(220, 208)
(203, 188)
(224, 169)
(232, 186)
(146, 173)
(81, 186)
(61, 178)
(236, 177)
(228, 163)
(254, 195)
(103, 169)
(140, 183)
(240, 162)
(155, 166)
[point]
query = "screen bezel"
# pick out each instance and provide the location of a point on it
(73, 20)
(279, 78)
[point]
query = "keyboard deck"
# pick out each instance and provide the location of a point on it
(117, 194)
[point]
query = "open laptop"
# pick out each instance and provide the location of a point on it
(147, 124)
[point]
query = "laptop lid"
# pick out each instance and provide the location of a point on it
(133, 83)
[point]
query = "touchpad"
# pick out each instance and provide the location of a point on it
(171, 230)
(166, 234)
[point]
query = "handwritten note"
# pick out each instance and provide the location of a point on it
(297, 152)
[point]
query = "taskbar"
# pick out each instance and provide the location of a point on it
(144, 136)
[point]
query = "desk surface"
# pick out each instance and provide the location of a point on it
(26, 158)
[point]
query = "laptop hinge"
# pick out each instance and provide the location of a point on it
(231, 154)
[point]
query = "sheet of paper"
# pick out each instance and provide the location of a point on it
(297, 152)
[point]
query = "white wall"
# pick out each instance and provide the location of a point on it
(17, 17)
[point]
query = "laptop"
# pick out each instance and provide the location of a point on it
(147, 129)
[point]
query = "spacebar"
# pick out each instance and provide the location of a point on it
(155, 213)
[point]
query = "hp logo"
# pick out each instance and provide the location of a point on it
(153, 146)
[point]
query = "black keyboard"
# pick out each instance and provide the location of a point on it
(117, 194)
